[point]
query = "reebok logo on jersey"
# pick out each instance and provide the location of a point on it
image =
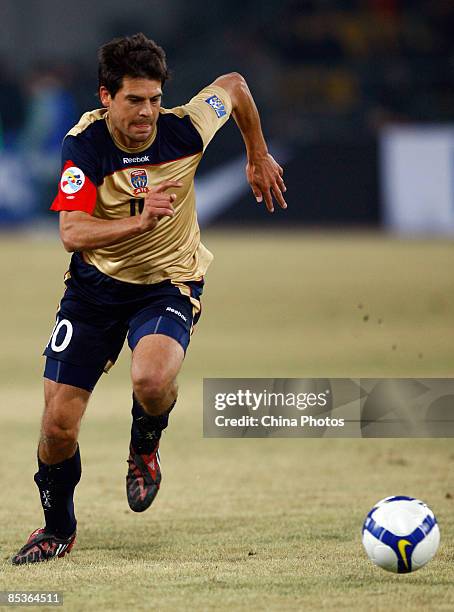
(217, 105)
(136, 160)
(177, 312)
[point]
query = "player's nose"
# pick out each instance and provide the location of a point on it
(146, 110)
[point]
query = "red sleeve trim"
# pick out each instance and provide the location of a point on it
(76, 191)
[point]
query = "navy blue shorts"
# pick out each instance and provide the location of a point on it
(98, 312)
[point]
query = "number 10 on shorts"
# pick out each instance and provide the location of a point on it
(59, 341)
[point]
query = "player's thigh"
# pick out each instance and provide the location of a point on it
(64, 405)
(159, 334)
(156, 360)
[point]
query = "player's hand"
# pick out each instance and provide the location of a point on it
(158, 204)
(264, 175)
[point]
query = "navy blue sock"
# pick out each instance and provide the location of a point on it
(146, 429)
(56, 484)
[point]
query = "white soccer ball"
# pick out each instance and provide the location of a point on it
(400, 534)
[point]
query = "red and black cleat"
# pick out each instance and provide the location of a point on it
(143, 479)
(42, 546)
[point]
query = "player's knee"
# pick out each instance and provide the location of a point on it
(57, 434)
(59, 429)
(153, 386)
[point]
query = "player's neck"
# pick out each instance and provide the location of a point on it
(123, 142)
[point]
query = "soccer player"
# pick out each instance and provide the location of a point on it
(127, 213)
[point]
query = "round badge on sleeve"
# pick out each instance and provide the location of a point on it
(72, 180)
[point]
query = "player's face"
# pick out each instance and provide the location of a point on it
(134, 110)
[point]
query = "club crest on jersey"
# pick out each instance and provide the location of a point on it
(139, 180)
(72, 180)
(217, 105)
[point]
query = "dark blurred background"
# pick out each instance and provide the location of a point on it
(329, 78)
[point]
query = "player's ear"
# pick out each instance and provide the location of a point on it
(104, 96)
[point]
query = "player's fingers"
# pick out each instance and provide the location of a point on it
(160, 198)
(279, 197)
(268, 200)
(281, 184)
(163, 212)
(257, 194)
(280, 170)
(166, 201)
(165, 185)
(157, 197)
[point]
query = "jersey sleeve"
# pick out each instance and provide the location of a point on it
(209, 110)
(77, 188)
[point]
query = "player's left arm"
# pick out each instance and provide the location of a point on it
(264, 174)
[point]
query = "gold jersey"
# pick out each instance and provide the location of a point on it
(108, 180)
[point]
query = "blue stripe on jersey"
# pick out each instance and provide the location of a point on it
(96, 154)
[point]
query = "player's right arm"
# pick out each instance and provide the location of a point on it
(80, 231)
(76, 202)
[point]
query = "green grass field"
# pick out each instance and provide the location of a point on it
(267, 524)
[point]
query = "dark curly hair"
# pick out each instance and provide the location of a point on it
(134, 56)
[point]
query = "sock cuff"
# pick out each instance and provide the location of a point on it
(65, 473)
(138, 411)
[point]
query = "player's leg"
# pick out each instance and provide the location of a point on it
(59, 471)
(75, 362)
(86, 340)
(67, 389)
(64, 406)
(59, 466)
(156, 361)
(159, 337)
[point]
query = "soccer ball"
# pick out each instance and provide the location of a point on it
(400, 534)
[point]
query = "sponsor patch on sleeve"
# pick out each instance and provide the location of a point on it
(76, 190)
(72, 180)
(217, 105)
